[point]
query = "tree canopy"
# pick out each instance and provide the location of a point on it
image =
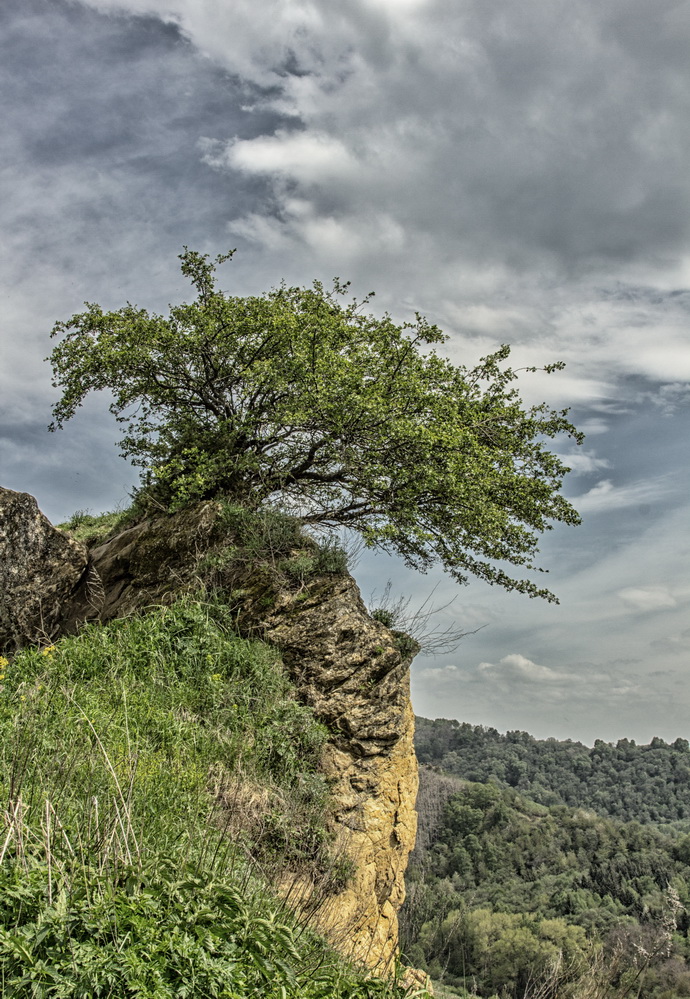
(301, 397)
(501, 885)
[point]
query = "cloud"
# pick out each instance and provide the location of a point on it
(677, 644)
(326, 234)
(302, 156)
(438, 674)
(515, 691)
(102, 180)
(516, 667)
(515, 171)
(648, 598)
(570, 146)
(582, 463)
(630, 329)
(669, 398)
(606, 496)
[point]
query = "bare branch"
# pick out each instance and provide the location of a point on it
(397, 615)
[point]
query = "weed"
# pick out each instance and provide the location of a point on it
(415, 630)
(273, 545)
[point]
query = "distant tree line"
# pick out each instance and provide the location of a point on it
(647, 783)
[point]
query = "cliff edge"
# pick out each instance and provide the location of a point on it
(349, 668)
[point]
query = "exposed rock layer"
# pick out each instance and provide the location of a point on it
(47, 585)
(154, 560)
(347, 666)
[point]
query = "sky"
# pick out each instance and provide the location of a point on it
(515, 172)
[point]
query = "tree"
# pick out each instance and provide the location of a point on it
(298, 397)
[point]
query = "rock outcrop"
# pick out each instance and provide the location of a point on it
(346, 666)
(47, 584)
(352, 670)
(154, 560)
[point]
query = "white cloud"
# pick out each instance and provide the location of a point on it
(606, 496)
(516, 667)
(462, 126)
(438, 674)
(581, 462)
(327, 235)
(670, 398)
(648, 598)
(304, 157)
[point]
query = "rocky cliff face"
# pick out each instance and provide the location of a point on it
(348, 667)
(350, 670)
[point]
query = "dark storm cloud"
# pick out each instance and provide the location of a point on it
(513, 132)
(101, 181)
(101, 122)
(80, 470)
(101, 184)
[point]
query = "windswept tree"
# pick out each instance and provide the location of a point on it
(302, 398)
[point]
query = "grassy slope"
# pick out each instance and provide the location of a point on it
(149, 770)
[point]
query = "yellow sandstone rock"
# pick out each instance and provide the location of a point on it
(350, 669)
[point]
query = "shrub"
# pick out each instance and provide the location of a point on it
(274, 544)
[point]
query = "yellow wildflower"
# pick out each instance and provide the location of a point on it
(48, 651)
(4, 662)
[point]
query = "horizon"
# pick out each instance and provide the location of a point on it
(550, 738)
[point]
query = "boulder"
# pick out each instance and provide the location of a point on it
(47, 585)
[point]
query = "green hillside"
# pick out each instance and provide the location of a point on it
(511, 898)
(156, 776)
(648, 783)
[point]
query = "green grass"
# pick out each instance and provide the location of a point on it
(92, 529)
(273, 545)
(267, 541)
(156, 774)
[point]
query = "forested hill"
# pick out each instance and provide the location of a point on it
(515, 899)
(644, 783)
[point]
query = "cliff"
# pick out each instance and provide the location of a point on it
(351, 670)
